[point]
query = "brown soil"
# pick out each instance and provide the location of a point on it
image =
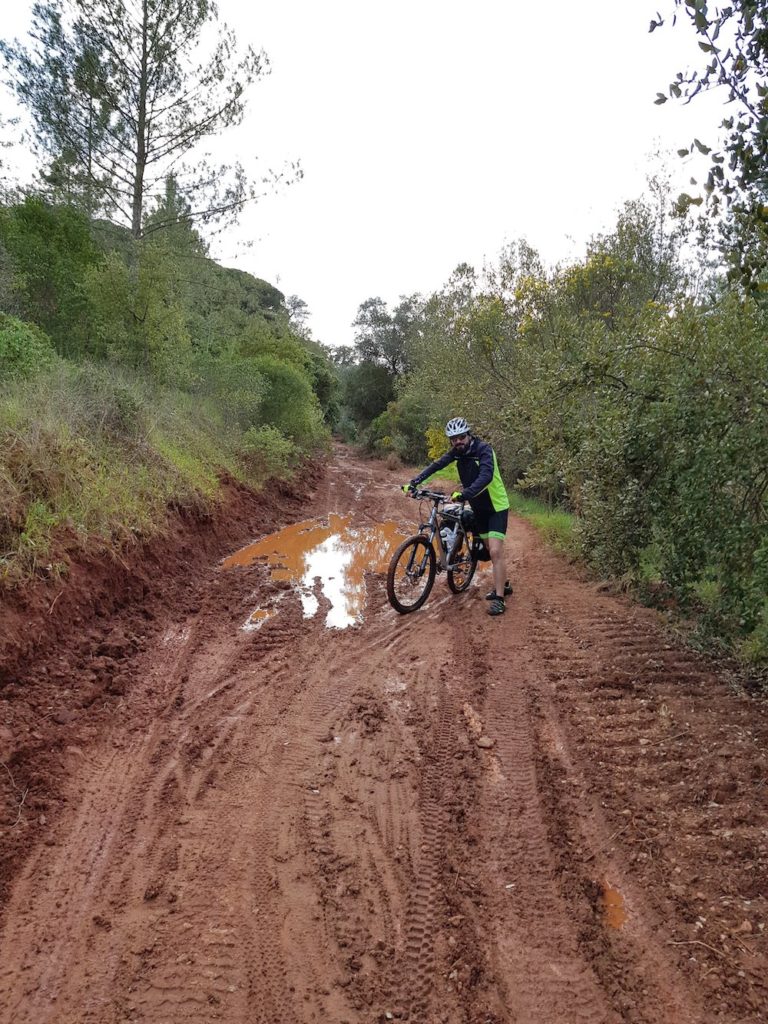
(554, 816)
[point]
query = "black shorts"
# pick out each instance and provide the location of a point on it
(491, 524)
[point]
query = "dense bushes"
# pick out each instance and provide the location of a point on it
(171, 370)
(49, 250)
(289, 403)
(268, 452)
(606, 389)
(24, 349)
(401, 428)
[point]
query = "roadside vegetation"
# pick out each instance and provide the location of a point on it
(627, 392)
(134, 376)
(136, 373)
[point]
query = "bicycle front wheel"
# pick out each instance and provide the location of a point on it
(463, 563)
(411, 574)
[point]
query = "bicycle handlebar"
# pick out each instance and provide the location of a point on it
(436, 496)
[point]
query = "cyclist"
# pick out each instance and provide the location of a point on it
(482, 487)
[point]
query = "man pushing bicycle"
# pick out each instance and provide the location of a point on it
(483, 488)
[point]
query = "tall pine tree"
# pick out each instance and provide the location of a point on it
(122, 91)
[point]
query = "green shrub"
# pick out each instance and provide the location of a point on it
(234, 383)
(24, 349)
(289, 402)
(345, 428)
(556, 525)
(268, 453)
(138, 313)
(378, 437)
(51, 249)
(102, 399)
(400, 430)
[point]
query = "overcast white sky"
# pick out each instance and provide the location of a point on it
(431, 132)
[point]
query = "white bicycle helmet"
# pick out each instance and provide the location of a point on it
(456, 426)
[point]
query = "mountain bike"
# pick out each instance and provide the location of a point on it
(444, 543)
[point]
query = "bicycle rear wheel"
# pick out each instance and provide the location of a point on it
(463, 562)
(411, 574)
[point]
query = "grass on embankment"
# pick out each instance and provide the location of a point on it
(555, 524)
(99, 455)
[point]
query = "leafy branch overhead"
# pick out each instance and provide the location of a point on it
(123, 92)
(735, 39)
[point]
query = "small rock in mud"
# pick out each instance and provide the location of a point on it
(64, 717)
(117, 686)
(745, 928)
(486, 742)
(89, 696)
(116, 648)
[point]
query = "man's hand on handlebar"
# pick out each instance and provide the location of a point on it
(415, 491)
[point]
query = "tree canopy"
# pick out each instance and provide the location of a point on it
(733, 39)
(122, 91)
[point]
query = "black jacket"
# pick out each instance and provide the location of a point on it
(481, 481)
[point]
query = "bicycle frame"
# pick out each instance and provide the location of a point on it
(415, 563)
(434, 525)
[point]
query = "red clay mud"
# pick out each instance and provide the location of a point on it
(435, 817)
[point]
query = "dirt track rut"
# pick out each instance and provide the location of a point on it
(297, 823)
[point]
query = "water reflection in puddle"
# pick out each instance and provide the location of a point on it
(614, 910)
(331, 551)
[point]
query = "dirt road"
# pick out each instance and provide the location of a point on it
(553, 817)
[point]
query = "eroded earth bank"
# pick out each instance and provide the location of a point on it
(557, 816)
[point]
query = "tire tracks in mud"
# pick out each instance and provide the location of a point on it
(298, 824)
(581, 666)
(417, 967)
(546, 975)
(560, 958)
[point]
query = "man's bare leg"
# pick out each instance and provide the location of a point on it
(496, 549)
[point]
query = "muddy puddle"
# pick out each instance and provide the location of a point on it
(325, 561)
(612, 906)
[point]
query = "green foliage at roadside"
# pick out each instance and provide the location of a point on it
(49, 250)
(399, 429)
(133, 375)
(24, 349)
(289, 403)
(138, 317)
(268, 452)
(620, 393)
(95, 454)
(556, 525)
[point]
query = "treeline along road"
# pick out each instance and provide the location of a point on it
(552, 817)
